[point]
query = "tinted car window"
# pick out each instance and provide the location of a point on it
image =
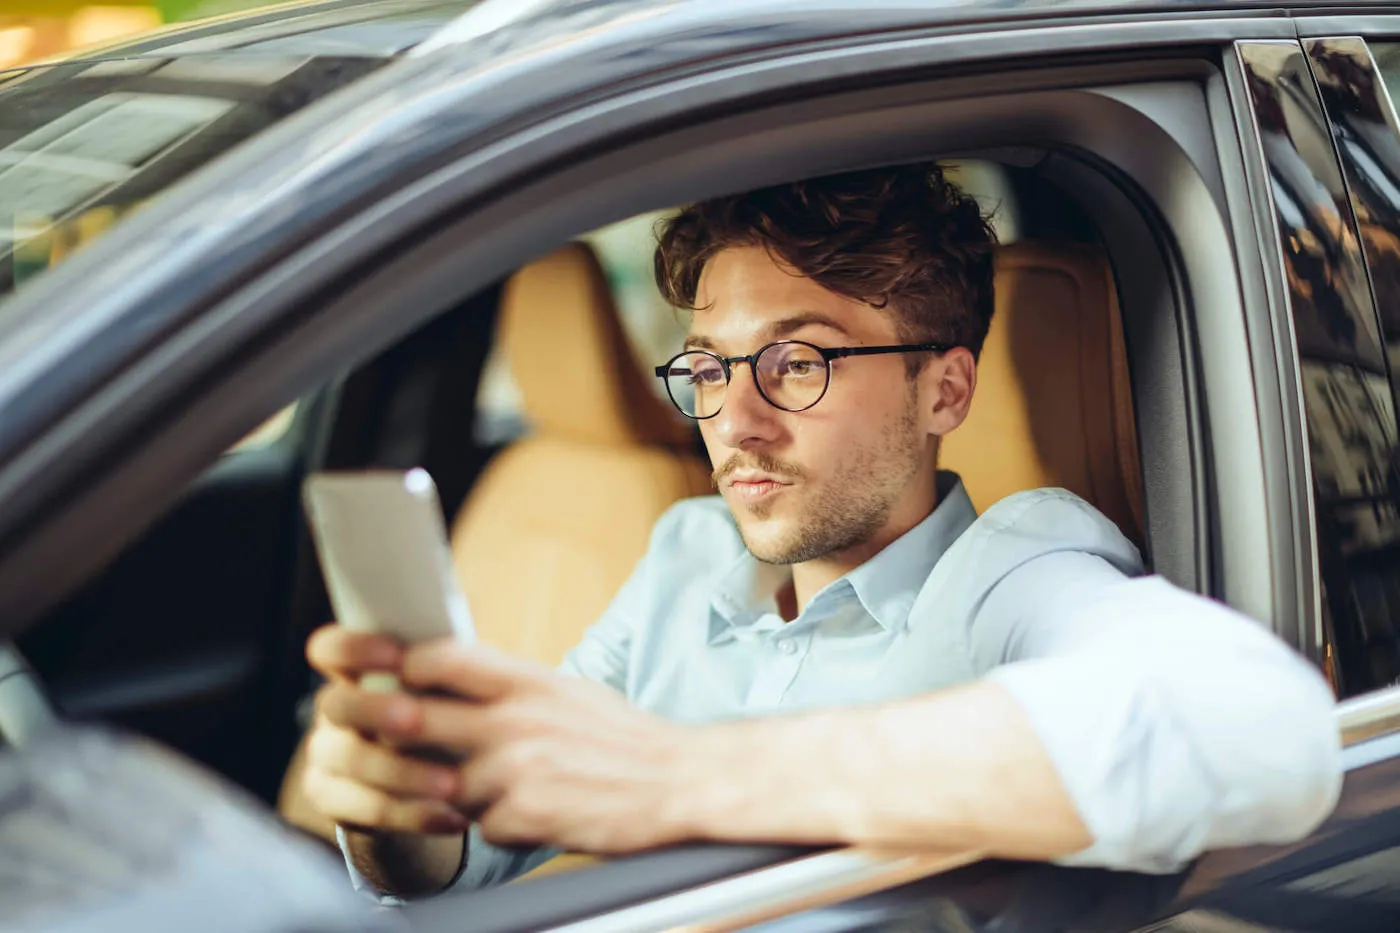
(1360, 403)
(1345, 339)
(84, 144)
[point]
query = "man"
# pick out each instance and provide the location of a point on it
(1006, 683)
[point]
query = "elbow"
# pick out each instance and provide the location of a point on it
(1174, 753)
(1297, 782)
(1245, 760)
(1266, 758)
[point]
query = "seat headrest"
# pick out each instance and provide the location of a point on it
(566, 349)
(1053, 405)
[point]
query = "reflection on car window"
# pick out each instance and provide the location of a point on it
(1346, 339)
(85, 144)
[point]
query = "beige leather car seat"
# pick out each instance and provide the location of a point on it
(1053, 405)
(558, 520)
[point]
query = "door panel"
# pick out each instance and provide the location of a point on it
(1341, 879)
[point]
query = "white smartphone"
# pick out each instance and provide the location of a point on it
(384, 555)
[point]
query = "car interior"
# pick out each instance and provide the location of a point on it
(530, 406)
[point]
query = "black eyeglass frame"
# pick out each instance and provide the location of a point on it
(663, 372)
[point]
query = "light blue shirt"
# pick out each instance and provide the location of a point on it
(1175, 723)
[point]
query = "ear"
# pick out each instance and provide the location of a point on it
(949, 382)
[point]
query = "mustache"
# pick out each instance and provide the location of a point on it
(764, 463)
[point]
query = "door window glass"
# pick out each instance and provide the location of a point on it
(1342, 348)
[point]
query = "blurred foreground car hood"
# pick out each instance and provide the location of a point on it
(101, 831)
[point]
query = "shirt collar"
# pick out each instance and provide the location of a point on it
(886, 585)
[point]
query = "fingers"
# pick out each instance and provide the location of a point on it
(340, 654)
(343, 753)
(401, 719)
(478, 672)
(381, 714)
(359, 805)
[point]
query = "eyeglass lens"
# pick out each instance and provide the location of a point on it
(792, 376)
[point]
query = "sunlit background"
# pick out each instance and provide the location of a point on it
(36, 29)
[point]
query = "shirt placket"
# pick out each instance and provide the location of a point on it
(782, 651)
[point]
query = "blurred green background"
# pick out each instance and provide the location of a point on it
(36, 29)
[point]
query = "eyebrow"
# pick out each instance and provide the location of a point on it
(776, 330)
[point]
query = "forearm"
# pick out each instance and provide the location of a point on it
(960, 769)
(405, 865)
(1131, 750)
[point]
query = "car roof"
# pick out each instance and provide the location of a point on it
(389, 27)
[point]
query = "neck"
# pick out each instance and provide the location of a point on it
(809, 577)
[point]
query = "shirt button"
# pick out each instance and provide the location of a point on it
(787, 646)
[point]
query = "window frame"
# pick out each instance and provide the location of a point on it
(837, 871)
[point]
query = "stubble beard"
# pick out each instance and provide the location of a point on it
(853, 506)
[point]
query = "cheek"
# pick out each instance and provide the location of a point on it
(825, 446)
(713, 445)
(849, 436)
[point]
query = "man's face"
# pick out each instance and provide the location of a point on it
(805, 485)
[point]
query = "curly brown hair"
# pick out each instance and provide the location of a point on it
(901, 237)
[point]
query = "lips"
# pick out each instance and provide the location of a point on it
(755, 487)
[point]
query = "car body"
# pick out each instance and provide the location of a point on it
(1241, 161)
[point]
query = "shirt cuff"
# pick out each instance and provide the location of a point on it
(1134, 784)
(359, 881)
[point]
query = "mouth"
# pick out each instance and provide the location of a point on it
(755, 488)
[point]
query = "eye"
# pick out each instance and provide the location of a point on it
(794, 362)
(798, 367)
(706, 374)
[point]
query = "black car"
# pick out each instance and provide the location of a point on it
(330, 220)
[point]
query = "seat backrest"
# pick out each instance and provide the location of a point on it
(1053, 405)
(558, 520)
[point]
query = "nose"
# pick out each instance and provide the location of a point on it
(745, 420)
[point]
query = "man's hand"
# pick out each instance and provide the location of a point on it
(356, 774)
(549, 759)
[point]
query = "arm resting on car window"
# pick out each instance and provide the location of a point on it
(1119, 722)
(1127, 724)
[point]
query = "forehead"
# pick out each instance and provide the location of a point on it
(745, 295)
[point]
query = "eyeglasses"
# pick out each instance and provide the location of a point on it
(790, 375)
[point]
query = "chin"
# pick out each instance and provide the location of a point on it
(768, 541)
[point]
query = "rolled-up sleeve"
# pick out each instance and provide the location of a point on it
(1175, 723)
